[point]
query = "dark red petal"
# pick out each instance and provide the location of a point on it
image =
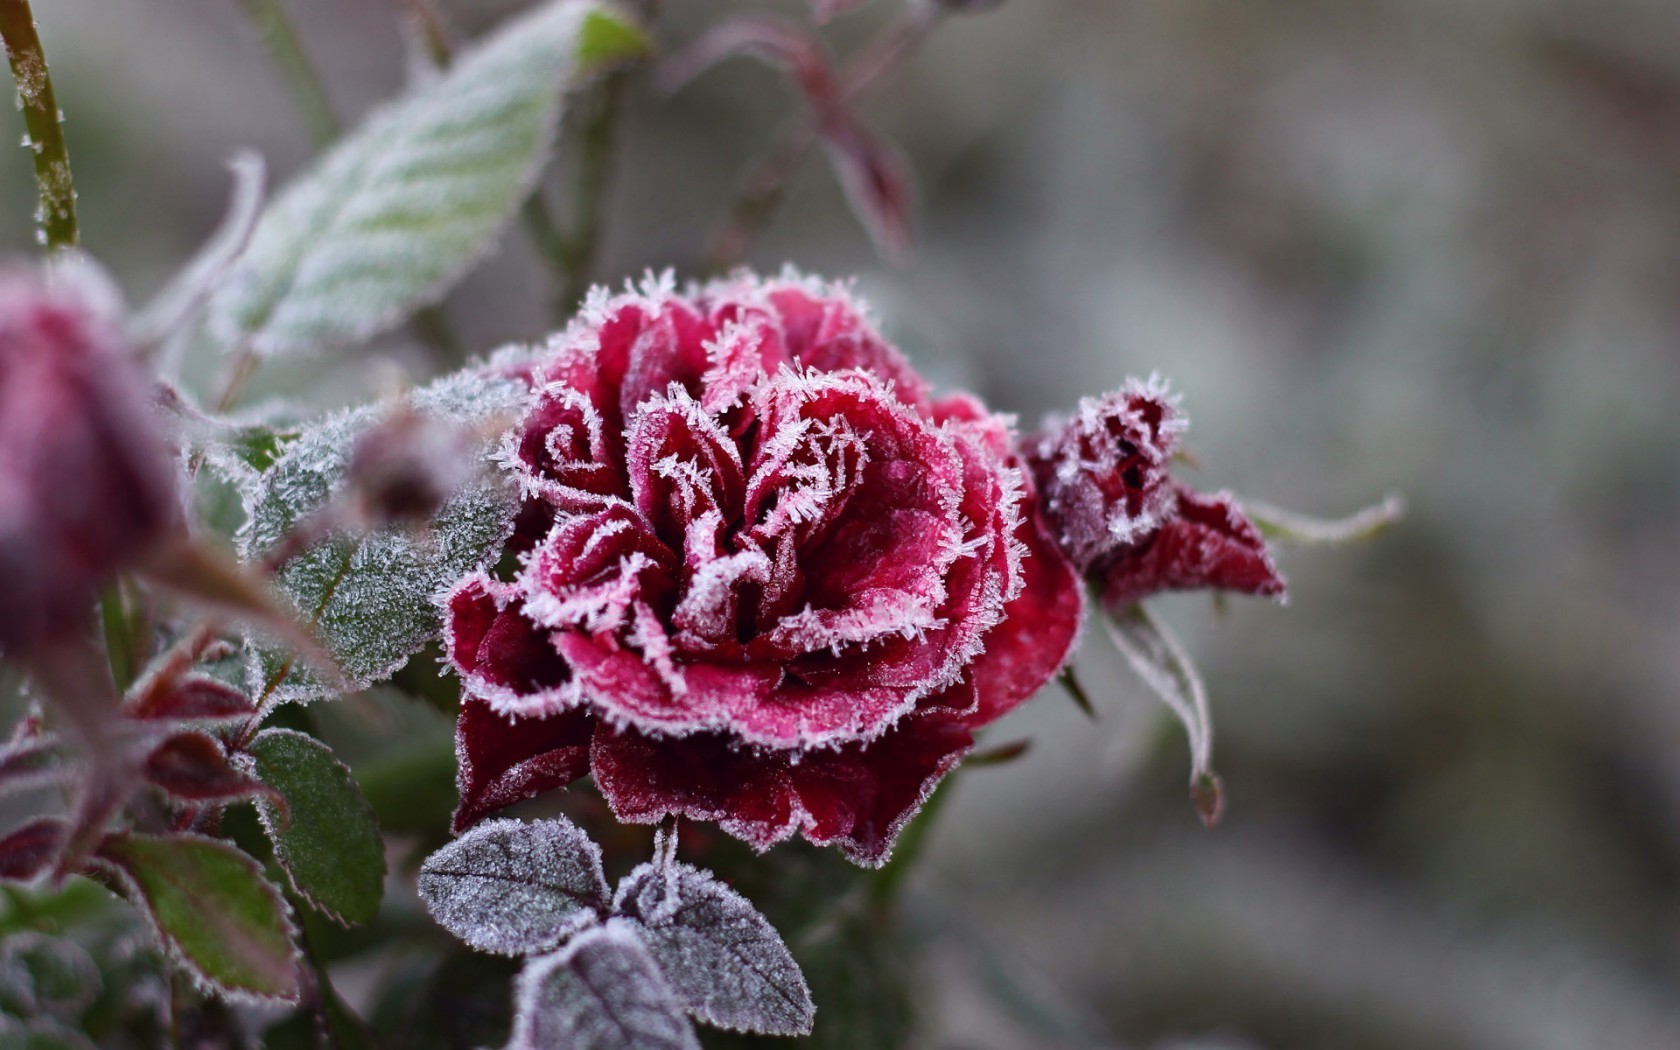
(831, 333)
(27, 851)
(701, 777)
(1208, 543)
(501, 760)
(503, 657)
(859, 797)
(1039, 630)
(192, 696)
(1102, 475)
(194, 767)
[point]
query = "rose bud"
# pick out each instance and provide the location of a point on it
(1103, 473)
(1124, 521)
(783, 585)
(402, 470)
(86, 482)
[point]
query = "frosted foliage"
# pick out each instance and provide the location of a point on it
(723, 959)
(371, 597)
(514, 888)
(395, 213)
(1160, 660)
(603, 992)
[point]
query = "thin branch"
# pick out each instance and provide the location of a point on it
(42, 121)
(766, 182)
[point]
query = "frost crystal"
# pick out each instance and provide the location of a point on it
(603, 991)
(724, 960)
(513, 888)
(771, 582)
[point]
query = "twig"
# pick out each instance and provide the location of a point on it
(42, 120)
(765, 184)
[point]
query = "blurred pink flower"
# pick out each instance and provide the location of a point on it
(86, 484)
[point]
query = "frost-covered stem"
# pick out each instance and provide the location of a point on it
(765, 184)
(285, 48)
(42, 121)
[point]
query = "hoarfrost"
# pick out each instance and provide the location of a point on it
(513, 888)
(371, 597)
(602, 992)
(723, 959)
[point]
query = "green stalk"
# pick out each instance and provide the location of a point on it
(41, 120)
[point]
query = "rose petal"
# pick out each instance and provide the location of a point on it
(503, 760)
(1207, 544)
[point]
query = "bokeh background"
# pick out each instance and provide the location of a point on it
(1422, 246)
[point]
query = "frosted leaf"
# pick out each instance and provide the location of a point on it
(213, 912)
(1160, 660)
(603, 991)
(371, 597)
(513, 888)
(397, 211)
(1286, 526)
(723, 959)
(41, 1033)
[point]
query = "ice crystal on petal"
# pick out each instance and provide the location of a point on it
(1103, 473)
(723, 959)
(603, 991)
(756, 544)
(514, 888)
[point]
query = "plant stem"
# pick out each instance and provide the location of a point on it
(285, 48)
(42, 120)
(598, 139)
(766, 182)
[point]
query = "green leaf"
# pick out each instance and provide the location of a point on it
(370, 597)
(330, 847)
(393, 215)
(213, 911)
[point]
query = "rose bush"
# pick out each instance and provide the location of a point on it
(765, 577)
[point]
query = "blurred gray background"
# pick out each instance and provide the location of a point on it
(1424, 246)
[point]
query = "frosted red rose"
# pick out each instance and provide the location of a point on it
(773, 582)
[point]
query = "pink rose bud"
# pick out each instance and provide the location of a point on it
(86, 483)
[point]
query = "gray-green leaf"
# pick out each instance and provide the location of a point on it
(213, 911)
(514, 888)
(329, 847)
(603, 991)
(724, 961)
(394, 214)
(370, 597)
